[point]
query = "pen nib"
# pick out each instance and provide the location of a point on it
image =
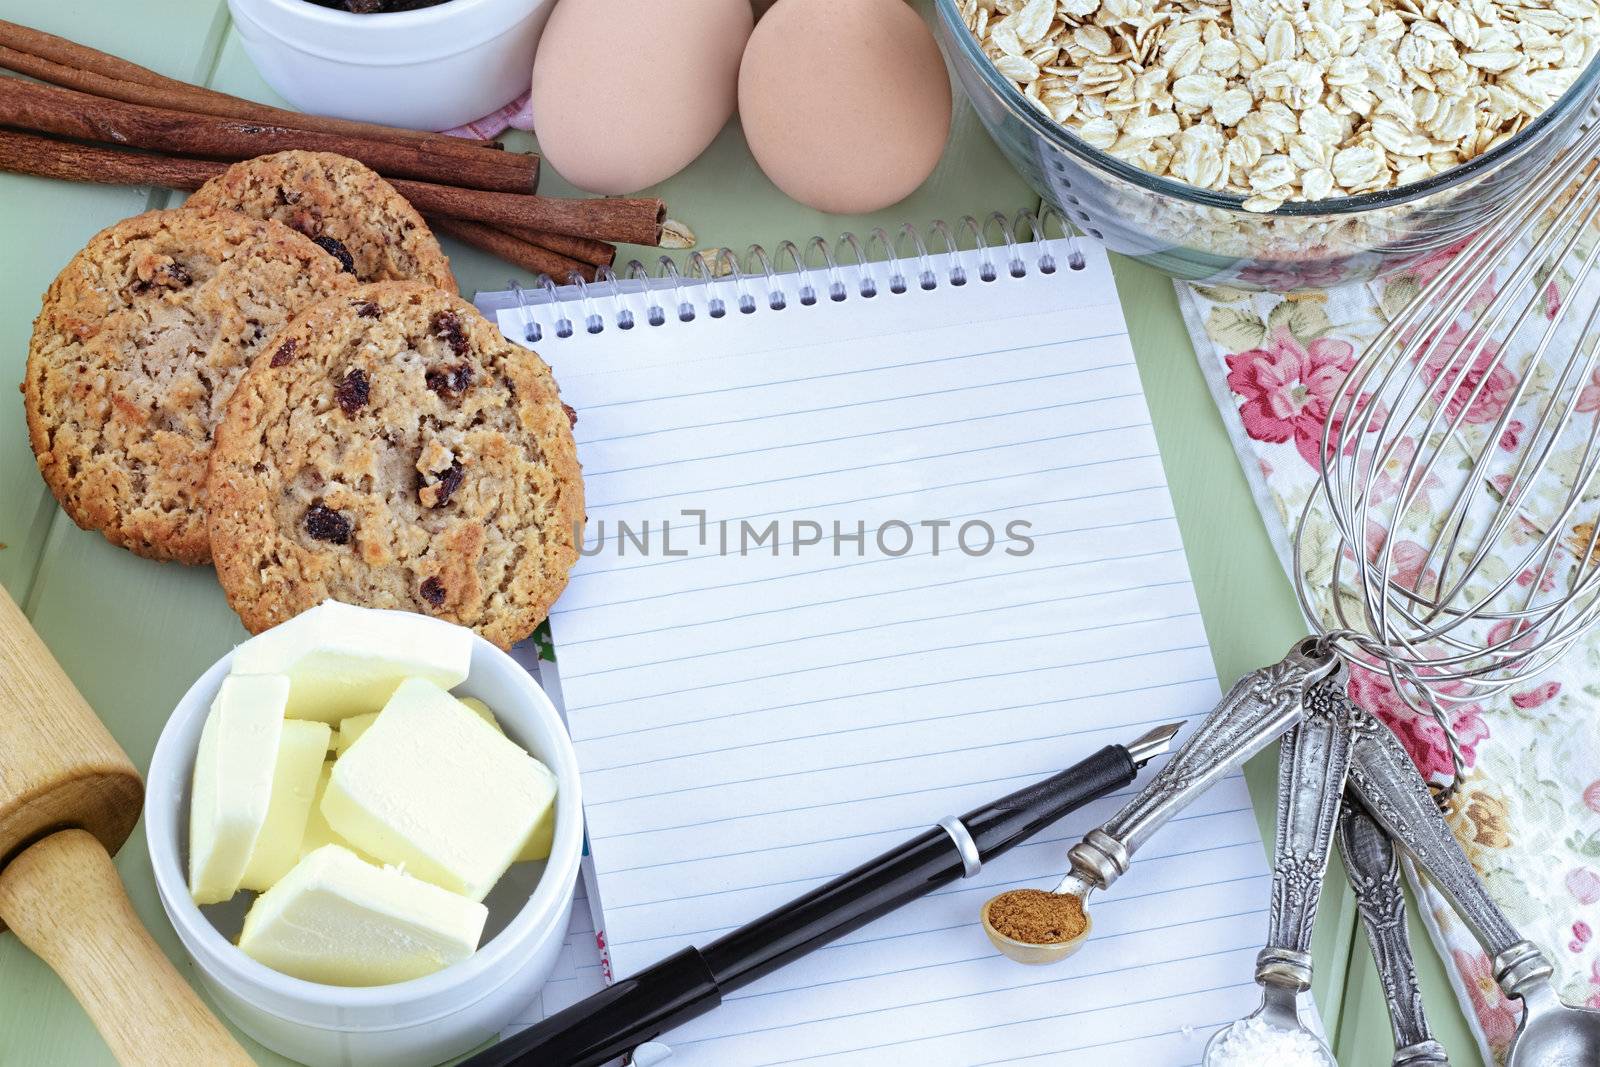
(1154, 743)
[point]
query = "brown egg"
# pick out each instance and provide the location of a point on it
(845, 103)
(626, 93)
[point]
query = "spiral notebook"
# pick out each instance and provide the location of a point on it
(869, 545)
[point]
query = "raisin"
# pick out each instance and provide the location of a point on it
(284, 354)
(353, 392)
(446, 484)
(447, 327)
(335, 248)
(168, 275)
(572, 415)
(367, 309)
(325, 524)
(432, 591)
(450, 382)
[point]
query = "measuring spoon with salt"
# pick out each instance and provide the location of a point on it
(1260, 707)
(1312, 762)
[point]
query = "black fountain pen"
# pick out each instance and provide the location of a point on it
(691, 982)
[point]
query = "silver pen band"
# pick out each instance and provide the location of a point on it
(971, 862)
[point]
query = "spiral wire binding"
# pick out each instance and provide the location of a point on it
(934, 257)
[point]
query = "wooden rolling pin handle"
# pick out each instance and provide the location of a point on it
(63, 898)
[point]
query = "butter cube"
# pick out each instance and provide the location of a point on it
(430, 790)
(350, 729)
(318, 832)
(481, 710)
(543, 835)
(232, 789)
(544, 831)
(343, 660)
(339, 920)
(301, 751)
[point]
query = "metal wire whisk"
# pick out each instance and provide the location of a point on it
(1460, 462)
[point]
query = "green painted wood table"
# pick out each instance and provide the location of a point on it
(133, 634)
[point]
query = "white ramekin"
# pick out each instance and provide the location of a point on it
(429, 69)
(410, 1024)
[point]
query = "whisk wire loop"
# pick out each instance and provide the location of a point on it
(1460, 462)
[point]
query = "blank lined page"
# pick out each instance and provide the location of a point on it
(787, 674)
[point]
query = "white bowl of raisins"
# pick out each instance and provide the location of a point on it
(422, 64)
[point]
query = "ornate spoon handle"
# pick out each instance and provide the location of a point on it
(1312, 761)
(1383, 776)
(1259, 707)
(1373, 868)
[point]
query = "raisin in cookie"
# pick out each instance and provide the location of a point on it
(134, 354)
(343, 205)
(394, 450)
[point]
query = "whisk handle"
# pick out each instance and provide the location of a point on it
(1383, 776)
(1259, 707)
(1312, 761)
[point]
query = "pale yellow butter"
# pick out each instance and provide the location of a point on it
(339, 920)
(544, 831)
(430, 790)
(539, 842)
(232, 788)
(301, 751)
(541, 837)
(481, 710)
(343, 660)
(350, 729)
(318, 832)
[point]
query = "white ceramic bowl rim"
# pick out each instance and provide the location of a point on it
(246, 976)
(392, 38)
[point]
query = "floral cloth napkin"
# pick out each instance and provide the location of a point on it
(1528, 812)
(516, 115)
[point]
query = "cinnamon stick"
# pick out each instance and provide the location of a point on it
(72, 54)
(75, 66)
(51, 109)
(635, 221)
(583, 249)
(626, 220)
(27, 154)
(24, 153)
(512, 249)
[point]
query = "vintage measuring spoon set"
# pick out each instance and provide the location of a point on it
(1416, 454)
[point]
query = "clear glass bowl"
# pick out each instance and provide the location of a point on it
(1200, 235)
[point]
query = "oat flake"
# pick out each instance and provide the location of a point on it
(1279, 100)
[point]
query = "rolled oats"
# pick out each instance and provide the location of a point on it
(1279, 100)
